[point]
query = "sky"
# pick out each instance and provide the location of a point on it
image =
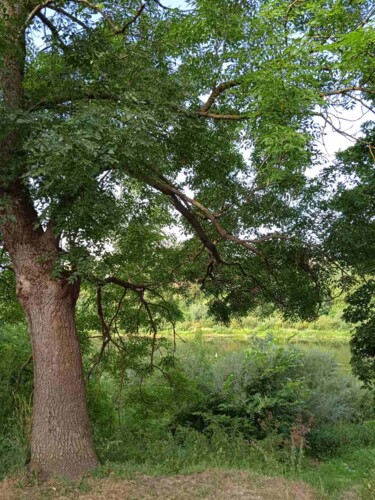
(175, 3)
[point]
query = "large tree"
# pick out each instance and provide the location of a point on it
(115, 117)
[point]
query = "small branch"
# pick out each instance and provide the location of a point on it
(55, 32)
(70, 16)
(164, 7)
(114, 27)
(367, 19)
(153, 325)
(99, 10)
(132, 20)
(273, 236)
(118, 309)
(348, 89)
(23, 368)
(37, 9)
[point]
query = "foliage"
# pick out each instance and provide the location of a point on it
(15, 396)
(114, 133)
(206, 402)
(204, 410)
(334, 396)
(351, 239)
(333, 440)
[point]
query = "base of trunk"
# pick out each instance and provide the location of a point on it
(62, 467)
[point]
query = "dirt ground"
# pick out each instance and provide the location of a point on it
(218, 485)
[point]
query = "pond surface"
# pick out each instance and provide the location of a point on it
(222, 344)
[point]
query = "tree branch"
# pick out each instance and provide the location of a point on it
(51, 27)
(132, 20)
(216, 92)
(348, 89)
(37, 9)
(218, 116)
(173, 192)
(70, 16)
(367, 19)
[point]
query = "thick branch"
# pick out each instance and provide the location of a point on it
(37, 9)
(218, 116)
(126, 284)
(216, 92)
(173, 192)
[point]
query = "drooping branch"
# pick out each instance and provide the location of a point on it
(173, 192)
(139, 290)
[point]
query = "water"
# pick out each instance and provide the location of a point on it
(224, 344)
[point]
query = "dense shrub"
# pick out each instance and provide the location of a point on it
(335, 396)
(251, 391)
(15, 396)
(332, 440)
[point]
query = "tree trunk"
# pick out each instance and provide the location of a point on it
(61, 441)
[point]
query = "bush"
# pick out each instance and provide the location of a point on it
(334, 396)
(245, 392)
(332, 440)
(15, 397)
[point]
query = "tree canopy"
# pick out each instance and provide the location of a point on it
(145, 147)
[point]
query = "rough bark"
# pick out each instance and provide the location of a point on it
(61, 443)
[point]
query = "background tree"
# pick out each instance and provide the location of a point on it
(128, 114)
(350, 239)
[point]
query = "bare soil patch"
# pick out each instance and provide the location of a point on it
(217, 484)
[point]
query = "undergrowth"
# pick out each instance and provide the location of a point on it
(269, 407)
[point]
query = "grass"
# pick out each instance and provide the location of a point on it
(214, 483)
(351, 476)
(355, 470)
